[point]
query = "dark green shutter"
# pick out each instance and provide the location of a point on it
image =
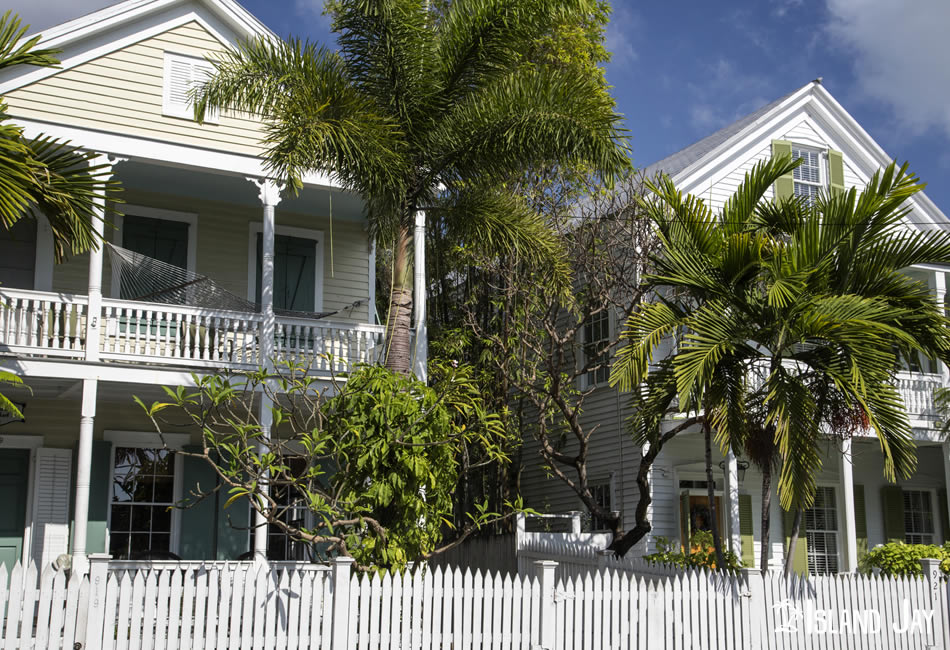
(233, 527)
(100, 495)
(785, 185)
(684, 519)
(746, 530)
(198, 527)
(860, 522)
(892, 502)
(836, 171)
(800, 563)
(944, 517)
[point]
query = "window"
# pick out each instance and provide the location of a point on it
(182, 73)
(162, 239)
(143, 493)
(295, 261)
(603, 497)
(293, 511)
(821, 533)
(807, 176)
(918, 517)
(596, 338)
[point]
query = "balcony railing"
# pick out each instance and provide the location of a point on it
(34, 323)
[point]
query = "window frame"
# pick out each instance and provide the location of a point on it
(823, 176)
(257, 228)
(147, 212)
(931, 494)
(149, 440)
(609, 485)
(585, 379)
(173, 109)
(836, 508)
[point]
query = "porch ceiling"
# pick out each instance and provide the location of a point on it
(200, 184)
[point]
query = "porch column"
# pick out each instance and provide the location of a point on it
(850, 549)
(420, 367)
(946, 479)
(940, 289)
(270, 197)
(83, 474)
(731, 493)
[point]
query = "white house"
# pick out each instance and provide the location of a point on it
(855, 508)
(86, 340)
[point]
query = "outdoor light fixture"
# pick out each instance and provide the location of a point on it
(741, 467)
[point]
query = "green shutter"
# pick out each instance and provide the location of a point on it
(944, 516)
(233, 527)
(785, 185)
(746, 530)
(684, 519)
(800, 563)
(836, 171)
(198, 527)
(860, 522)
(100, 495)
(892, 503)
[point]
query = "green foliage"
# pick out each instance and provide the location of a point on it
(900, 559)
(701, 553)
(377, 459)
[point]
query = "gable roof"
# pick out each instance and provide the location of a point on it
(677, 162)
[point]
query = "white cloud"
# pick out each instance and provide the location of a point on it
(621, 32)
(312, 9)
(901, 56)
(725, 94)
(40, 14)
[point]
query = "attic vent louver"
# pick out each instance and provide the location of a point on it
(182, 73)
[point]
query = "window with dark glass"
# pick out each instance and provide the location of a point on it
(143, 494)
(295, 260)
(821, 532)
(603, 498)
(596, 354)
(292, 510)
(161, 239)
(918, 517)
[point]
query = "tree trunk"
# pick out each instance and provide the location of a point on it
(792, 541)
(766, 519)
(711, 493)
(398, 349)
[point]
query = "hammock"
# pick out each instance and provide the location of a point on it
(145, 279)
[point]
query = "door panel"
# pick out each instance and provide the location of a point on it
(14, 483)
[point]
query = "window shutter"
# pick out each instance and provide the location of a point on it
(233, 527)
(836, 171)
(785, 185)
(179, 82)
(860, 522)
(197, 533)
(746, 530)
(50, 505)
(100, 489)
(684, 520)
(800, 563)
(892, 501)
(944, 516)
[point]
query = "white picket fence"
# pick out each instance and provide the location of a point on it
(291, 607)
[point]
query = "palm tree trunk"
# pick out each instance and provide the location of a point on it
(792, 541)
(766, 519)
(398, 350)
(711, 493)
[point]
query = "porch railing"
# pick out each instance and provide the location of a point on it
(46, 324)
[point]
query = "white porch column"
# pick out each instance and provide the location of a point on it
(83, 472)
(850, 549)
(731, 493)
(270, 197)
(420, 367)
(946, 479)
(940, 289)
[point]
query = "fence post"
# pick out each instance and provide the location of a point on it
(753, 609)
(544, 570)
(96, 604)
(933, 579)
(603, 559)
(576, 522)
(342, 566)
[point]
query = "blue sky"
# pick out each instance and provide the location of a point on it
(682, 69)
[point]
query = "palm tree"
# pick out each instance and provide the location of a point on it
(802, 309)
(435, 108)
(43, 174)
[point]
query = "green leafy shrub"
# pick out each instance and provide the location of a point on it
(900, 559)
(701, 554)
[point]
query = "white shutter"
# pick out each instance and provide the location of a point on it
(51, 505)
(179, 83)
(182, 73)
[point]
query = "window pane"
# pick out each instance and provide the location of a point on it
(162, 239)
(294, 272)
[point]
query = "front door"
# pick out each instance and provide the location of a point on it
(14, 482)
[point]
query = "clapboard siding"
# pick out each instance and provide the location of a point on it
(222, 252)
(122, 92)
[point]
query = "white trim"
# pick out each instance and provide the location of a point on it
(154, 213)
(147, 439)
(152, 150)
(371, 307)
(256, 228)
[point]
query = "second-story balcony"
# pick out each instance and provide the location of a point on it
(45, 324)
